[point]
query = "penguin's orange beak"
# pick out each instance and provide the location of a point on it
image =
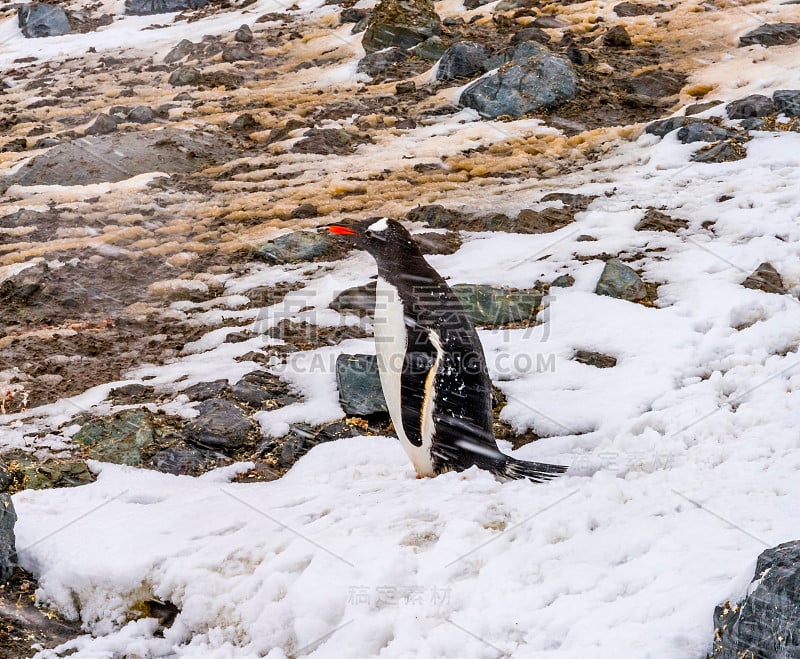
(342, 231)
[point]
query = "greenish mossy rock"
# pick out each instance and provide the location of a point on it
(493, 306)
(360, 392)
(122, 438)
(621, 281)
(401, 23)
(293, 247)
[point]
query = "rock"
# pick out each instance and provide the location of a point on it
(721, 152)
(753, 123)
(701, 131)
(376, 63)
(436, 216)
(29, 474)
(359, 385)
(325, 142)
(656, 84)
(359, 300)
(262, 390)
(220, 425)
(764, 623)
(236, 53)
(141, 114)
(205, 390)
(530, 34)
(243, 35)
(540, 82)
(405, 87)
(596, 359)
(578, 56)
(474, 4)
(131, 393)
(15, 146)
(628, 9)
(462, 60)
(118, 156)
(353, 15)
(438, 243)
(654, 220)
(563, 281)
(181, 50)
(245, 123)
(181, 460)
(147, 7)
(787, 101)
(549, 22)
(433, 48)
(122, 438)
(303, 438)
(620, 281)
(774, 34)
(103, 125)
(8, 550)
(42, 20)
(617, 37)
(401, 23)
(755, 105)
(304, 211)
(25, 281)
(494, 306)
(697, 108)
(666, 126)
(765, 278)
(293, 247)
(184, 75)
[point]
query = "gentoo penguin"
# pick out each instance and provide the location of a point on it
(431, 363)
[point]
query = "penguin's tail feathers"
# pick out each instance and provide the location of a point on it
(536, 472)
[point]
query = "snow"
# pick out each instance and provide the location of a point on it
(683, 457)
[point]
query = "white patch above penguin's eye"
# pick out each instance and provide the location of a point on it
(379, 226)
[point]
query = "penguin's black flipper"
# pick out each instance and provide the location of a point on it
(536, 472)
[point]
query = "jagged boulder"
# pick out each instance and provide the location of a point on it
(147, 7)
(42, 20)
(401, 23)
(538, 81)
(765, 623)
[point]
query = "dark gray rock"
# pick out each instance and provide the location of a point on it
(663, 127)
(405, 87)
(293, 247)
(764, 625)
(550, 22)
(181, 50)
(244, 34)
(103, 125)
(495, 306)
(753, 123)
(147, 7)
(236, 53)
(180, 460)
(118, 156)
(530, 34)
(359, 385)
(25, 283)
(184, 75)
(697, 108)
(131, 393)
(578, 56)
(325, 142)
(628, 9)
(774, 34)
(462, 60)
(221, 424)
(379, 62)
(659, 83)
(755, 105)
(596, 359)
(701, 131)
(359, 300)
(206, 390)
(15, 146)
(720, 152)
(765, 278)
(141, 114)
(304, 211)
(303, 438)
(474, 4)
(260, 389)
(42, 20)
(353, 15)
(787, 101)
(8, 551)
(539, 82)
(617, 37)
(620, 281)
(401, 23)
(245, 123)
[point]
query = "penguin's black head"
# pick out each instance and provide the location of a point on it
(387, 240)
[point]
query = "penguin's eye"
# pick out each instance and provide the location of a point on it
(369, 234)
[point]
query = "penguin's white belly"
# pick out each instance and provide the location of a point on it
(390, 347)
